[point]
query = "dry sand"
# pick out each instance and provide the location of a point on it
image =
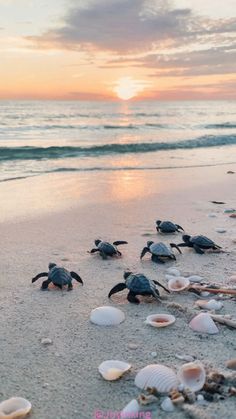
(56, 218)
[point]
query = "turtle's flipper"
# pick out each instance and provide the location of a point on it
(45, 284)
(119, 287)
(131, 297)
(70, 286)
(181, 244)
(117, 243)
(39, 276)
(157, 228)
(176, 246)
(156, 259)
(94, 250)
(198, 250)
(160, 285)
(76, 277)
(144, 251)
(179, 227)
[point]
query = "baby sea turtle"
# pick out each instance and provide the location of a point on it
(159, 251)
(198, 243)
(137, 284)
(167, 227)
(107, 249)
(58, 276)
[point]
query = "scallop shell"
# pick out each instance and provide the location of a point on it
(15, 407)
(162, 378)
(131, 408)
(112, 370)
(173, 272)
(178, 284)
(192, 375)
(160, 320)
(209, 305)
(203, 323)
(107, 316)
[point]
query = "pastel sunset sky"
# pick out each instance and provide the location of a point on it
(104, 49)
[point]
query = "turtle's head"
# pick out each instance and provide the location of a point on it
(97, 242)
(127, 273)
(158, 222)
(51, 265)
(149, 243)
(186, 238)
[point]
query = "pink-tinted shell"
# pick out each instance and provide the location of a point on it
(203, 323)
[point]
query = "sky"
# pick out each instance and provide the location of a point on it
(118, 49)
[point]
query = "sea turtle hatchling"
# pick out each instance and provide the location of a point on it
(159, 251)
(198, 243)
(137, 284)
(59, 276)
(107, 249)
(167, 227)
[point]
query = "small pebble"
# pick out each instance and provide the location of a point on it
(133, 346)
(221, 230)
(167, 405)
(195, 278)
(181, 387)
(231, 364)
(205, 294)
(173, 272)
(45, 385)
(46, 341)
(154, 354)
(212, 215)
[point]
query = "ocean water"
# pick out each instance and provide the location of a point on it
(39, 137)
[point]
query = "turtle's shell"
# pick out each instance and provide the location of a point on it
(107, 248)
(139, 283)
(202, 241)
(59, 276)
(167, 227)
(160, 249)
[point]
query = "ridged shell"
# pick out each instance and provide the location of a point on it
(209, 305)
(112, 370)
(131, 408)
(160, 320)
(192, 375)
(203, 323)
(15, 407)
(178, 284)
(162, 378)
(107, 316)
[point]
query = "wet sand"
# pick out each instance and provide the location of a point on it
(56, 218)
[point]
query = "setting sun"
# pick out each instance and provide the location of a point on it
(126, 88)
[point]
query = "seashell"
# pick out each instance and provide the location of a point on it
(15, 407)
(154, 354)
(226, 320)
(216, 377)
(162, 378)
(192, 375)
(173, 272)
(221, 230)
(178, 284)
(107, 316)
(187, 358)
(177, 398)
(231, 363)
(144, 400)
(232, 278)
(205, 294)
(131, 408)
(212, 215)
(46, 341)
(189, 395)
(195, 278)
(168, 277)
(209, 305)
(160, 320)
(112, 370)
(203, 323)
(167, 405)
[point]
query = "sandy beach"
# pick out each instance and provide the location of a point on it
(56, 218)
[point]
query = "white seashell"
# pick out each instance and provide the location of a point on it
(168, 277)
(178, 284)
(46, 341)
(203, 323)
(107, 316)
(212, 215)
(173, 272)
(195, 278)
(187, 358)
(131, 408)
(15, 407)
(112, 370)
(160, 320)
(205, 294)
(221, 230)
(209, 305)
(167, 405)
(192, 375)
(162, 378)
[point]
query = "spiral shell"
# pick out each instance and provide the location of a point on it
(203, 323)
(192, 375)
(107, 316)
(160, 320)
(112, 370)
(15, 407)
(178, 284)
(162, 378)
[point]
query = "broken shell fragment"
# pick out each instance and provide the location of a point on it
(183, 357)
(203, 323)
(167, 405)
(107, 316)
(209, 305)
(160, 320)
(178, 284)
(192, 375)
(15, 407)
(112, 370)
(131, 408)
(162, 378)
(177, 398)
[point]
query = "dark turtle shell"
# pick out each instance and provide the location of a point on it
(160, 249)
(107, 248)
(59, 276)
(167, 227)
(139, 283)
(202, 241)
